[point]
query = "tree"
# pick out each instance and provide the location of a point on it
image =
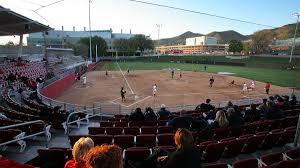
(137, 42)
(246, 48)
(123, 45)
(82, 47)
(260, 41)
(10, 43)
(141, 42)
(235, 46)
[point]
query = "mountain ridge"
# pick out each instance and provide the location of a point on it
(223, 37)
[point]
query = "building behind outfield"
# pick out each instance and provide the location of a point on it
(194, 45)
(202, 40)
(59, 38)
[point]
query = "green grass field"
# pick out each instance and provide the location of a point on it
(258, 62)
(278, 77)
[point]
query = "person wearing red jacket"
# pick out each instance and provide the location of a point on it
(267, 87)
(80, 149)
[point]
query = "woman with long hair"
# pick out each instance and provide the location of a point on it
(220, 120)
(186, 153)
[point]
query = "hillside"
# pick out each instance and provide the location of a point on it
(178, 39)
(283, 32)
(225, 36)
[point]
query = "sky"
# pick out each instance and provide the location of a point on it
(142, 18)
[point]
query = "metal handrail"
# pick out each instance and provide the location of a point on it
(25, 137)
(73, 113)
(21, 124)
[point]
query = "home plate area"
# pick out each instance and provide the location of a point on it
(131, 100)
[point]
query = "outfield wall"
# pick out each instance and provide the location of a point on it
(56, 88)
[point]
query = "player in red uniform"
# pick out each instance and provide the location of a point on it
(267, 87)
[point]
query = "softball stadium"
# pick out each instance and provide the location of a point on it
(101, 99)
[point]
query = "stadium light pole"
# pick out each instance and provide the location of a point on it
(294, 40)
(158, 31)
(90, 30)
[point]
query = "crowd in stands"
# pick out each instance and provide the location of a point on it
(186, 153)
(230, 115)
(85, 155)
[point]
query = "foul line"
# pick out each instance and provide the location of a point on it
(125, 78)
(113, 102)
(138, 101)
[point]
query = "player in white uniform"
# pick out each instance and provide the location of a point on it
(245, 88)
(252, 86)
(154, 90)
(84, 80)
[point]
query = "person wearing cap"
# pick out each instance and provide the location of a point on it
(163, 113)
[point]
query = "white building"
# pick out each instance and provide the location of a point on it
(202, 40)
(58, 38)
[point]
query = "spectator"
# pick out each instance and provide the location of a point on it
(104, 156)
(137, 115)
(11, 77)
(163, 113)
(234, 118)
(294, 100)
(181, 122)
(229, 105)
(263, 108)
(205, 106)
(40, 79)
(211, 115)
(280, 103)
(273, 112)
(186, 154)
(79, 151)
(199, 125)
(220, 120)
(252, 114)
(237, 110)
(286, 102)
(271, 100)
(150, 115)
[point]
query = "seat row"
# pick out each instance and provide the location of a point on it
(130, 130)
(246, 144)
(12, 114)
(18, 133)
(36, 105)
(252, 128)
(28, 129)
(16, 105)
(288, 159)
(213, 149)
(214, 134)
(126, 141)
(132, 123)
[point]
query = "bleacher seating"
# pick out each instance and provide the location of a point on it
(31, 70)
(6, 163)
(215, 144)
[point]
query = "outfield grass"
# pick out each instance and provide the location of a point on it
(249, 62)
(275, 76)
